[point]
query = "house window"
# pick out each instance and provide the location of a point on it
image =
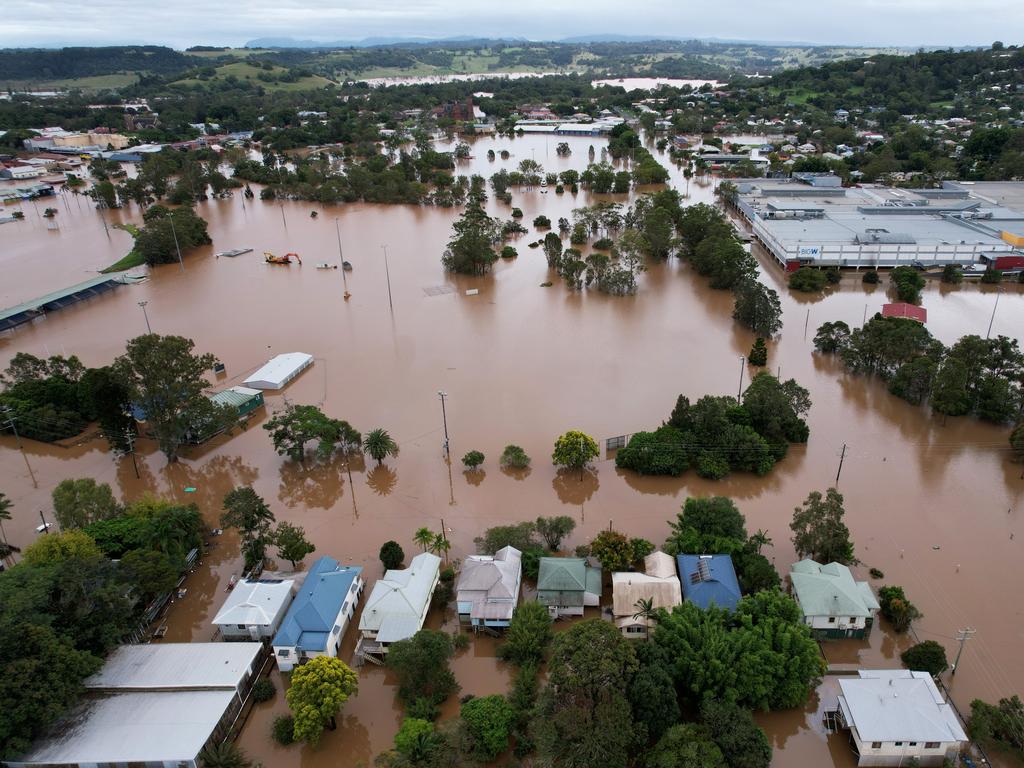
(899, 743)
(876, 745)
(853, 619)
(912, 744)
(931, 745)
(240, 626)
(831, 619)
(283, 653)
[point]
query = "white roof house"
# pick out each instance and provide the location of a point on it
(488, 587)
(660, 584)
(896, 714)
(398, 604)
(279, 370)
(254, 608)
(151, 704)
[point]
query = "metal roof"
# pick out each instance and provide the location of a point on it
(401, 593)
(898, 705)
(628, 588)
(236, 397)
(279, 370)
(310, 618)
(830, 590)
(564, 580)
(494, 581)
(254, 602)
(718, 586)
(169, 666)
(147, 727)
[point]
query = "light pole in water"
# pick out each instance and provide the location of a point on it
(177, 247)
(145, 315)
(444, 417)
(739, 392)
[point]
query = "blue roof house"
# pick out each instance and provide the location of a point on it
(708, 579)
(316, 621)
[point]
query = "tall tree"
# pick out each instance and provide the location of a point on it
(758, 308)
(166, 380)
(421, 665)
(819, 531)
(78, 502)
(574, 450)
(291, 542)
(246, 511)
(554, 529)
(318, 690)
(379, 444)
(296, 425)
(471, 249)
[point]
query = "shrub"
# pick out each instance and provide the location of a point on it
(662, 452)
(952, 274)
(263, 690)
(758, 353)
(422, 709)
(992, 276)
(876, 574)
(928, 656)
(604, 244)
(542, 222)
(488, 720)
(808, 280)
(833, 276)
(528, 635)
(473, 459)
(391, 555)
(908, 282)
(711, 466)
(896, 608)
(283, 730)
(460, 641)
(508, 252)
(517, 213)
(870, 277)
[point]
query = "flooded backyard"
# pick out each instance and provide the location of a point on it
(934, 505)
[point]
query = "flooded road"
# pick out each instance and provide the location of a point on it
(932, 505)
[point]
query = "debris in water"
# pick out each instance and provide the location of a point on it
(190, 489)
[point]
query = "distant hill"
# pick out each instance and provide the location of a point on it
(371, 42)
(25, 64)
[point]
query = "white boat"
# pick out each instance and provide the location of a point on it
(325, 265)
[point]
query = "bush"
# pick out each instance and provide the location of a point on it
(542, 222)
(870, 277)
(263, 690)
(711, 466)
(998, 725)
(833, 276)
(896, 608)
(517, 213)
(488, 720)
(808, 280)
(662, 452)
(460, 641)
(908, 282)
(758, 353)
(508, 252)
(876, 574)
(514, 457)
(283, 730)
(952, 274)
(473, 459)
(928, 656)
(604, 244)
(992, 276)
(528, 636)
(391, 555)
(422, 709)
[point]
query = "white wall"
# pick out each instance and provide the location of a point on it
(888, 754)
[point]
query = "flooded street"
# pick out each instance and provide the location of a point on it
(933, 505)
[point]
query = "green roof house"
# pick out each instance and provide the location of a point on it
(567, 584)
(834, 605)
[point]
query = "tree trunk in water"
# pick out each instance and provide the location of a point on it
(333, 723)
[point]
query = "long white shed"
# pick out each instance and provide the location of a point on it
(279, 370)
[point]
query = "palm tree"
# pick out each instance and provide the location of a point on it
(646, 611)
(424, 537)
(761, 539)
(226, 755)
(379, 445)
(440, 545)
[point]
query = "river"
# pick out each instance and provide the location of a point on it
(932, 504)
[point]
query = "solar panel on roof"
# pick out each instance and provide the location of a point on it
(703, 572)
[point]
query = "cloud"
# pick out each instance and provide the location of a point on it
(214, 22)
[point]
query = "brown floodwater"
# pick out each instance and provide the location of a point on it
(932, 504)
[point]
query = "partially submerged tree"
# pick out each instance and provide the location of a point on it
(246, 511)
(819, 531)
(574, 450)
(78, 502)
(319, 688)
(554, 529)
(379, 444)
(291, 542)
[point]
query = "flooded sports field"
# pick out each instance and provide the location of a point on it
(933, 504)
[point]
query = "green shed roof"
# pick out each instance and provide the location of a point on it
(830, 590)
(564, 580)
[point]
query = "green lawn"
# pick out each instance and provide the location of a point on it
(245, 71)
(132, 259)
(95, 83)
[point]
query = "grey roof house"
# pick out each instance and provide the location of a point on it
(488, 588)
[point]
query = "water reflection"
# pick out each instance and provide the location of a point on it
(575, 486)
(382, 479)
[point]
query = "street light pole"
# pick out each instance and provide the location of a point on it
(145, 315)
(994, 307)
(387, 275)
(739, 392)
(444, 417)
(177, 247)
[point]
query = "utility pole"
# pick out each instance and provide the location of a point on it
(387, 275)
(444, 417)
(145, 315)
(46, 525)
(993, 318)
(341, 258)
(739, 392)
(841, 457)
(444, 538)
(963, 635)
(130, 440)
(11, 423)
(174, 232)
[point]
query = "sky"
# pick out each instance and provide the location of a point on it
(181, 23)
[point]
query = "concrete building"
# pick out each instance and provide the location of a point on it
(894, 715)
(659, 584)
(567, 585)
(152, 705)
(21, 172)
(834, 605)
(316, 621)
(254, 609)
(488, 588)
(810, 220)
(398, 605)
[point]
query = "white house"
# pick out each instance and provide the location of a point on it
(488, 588)
(18, 172)
(279, 370)
(833, 604)
(659, 584)
(896, 714)
(316, 621)
(254, 609)
(398, 604)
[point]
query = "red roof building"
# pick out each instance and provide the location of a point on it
(902, 309)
